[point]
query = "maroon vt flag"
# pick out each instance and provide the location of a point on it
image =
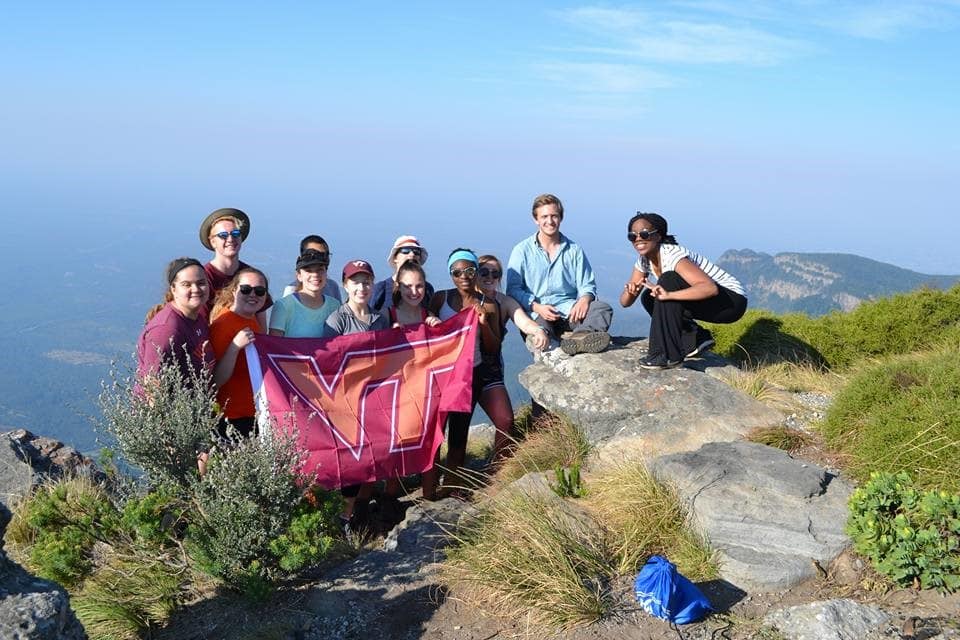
(366, 406)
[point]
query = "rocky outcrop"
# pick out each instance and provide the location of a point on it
(774, 520)
(32, 608)
(628, 411)
(27, 460)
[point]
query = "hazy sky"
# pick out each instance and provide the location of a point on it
(791, 126)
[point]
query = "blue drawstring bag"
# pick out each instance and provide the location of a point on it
(663, 592)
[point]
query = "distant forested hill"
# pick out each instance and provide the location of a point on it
(817, 283)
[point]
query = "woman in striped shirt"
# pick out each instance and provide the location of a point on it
(688, 287)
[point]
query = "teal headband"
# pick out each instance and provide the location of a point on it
(462, 254)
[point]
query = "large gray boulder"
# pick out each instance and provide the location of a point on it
(772, 519)
(630, 411)
(827, 620)
(34, 609)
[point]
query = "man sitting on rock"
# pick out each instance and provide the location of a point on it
(550, 276)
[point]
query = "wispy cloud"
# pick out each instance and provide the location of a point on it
(888, 20)
(678, 37)
(626, 50)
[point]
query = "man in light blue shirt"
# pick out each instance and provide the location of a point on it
(550, 276)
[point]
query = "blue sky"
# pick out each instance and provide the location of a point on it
(792, 126)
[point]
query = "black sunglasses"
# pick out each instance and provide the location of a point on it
(235, 234)
(643, 234)
(486, 272)
(417, 251)
(469, 272)
(247, 289)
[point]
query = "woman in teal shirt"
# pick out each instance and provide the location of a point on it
(304, 313)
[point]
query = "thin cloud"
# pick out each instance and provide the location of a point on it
(680, 39)
(887, 21)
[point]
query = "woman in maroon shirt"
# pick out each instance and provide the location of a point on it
(177, 329)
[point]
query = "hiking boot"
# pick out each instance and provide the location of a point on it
(585, 342)
(701, 343)
(658, 361)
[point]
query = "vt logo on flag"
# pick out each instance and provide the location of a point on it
(366, 406)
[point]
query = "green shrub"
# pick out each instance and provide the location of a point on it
(246, 502)
(910, 535)
(156, 516)
(894, 325)
(56, 528)
(163, 426)
(903, 415)
(310, 535)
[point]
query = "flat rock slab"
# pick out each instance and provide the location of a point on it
(827, 620)
(771, 518)
(629, 410)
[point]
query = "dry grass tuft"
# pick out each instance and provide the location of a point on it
(554, 560)
(781, 437)
(551, 441)
(524, 555)
(645, 517)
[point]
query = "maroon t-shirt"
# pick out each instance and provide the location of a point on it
(165, 337)
(218, 280)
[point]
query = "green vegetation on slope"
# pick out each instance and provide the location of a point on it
(891, 326)
(902, 415)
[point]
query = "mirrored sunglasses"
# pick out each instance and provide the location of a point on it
(468, 272)
(236, 234)
(417, 251)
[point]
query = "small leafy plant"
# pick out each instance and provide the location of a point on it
(569, 483)
(910, 535)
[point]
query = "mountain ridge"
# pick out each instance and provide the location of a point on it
(818, 283)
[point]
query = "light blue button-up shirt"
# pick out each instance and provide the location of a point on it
(533, 277)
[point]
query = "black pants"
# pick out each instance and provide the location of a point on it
(670, 316)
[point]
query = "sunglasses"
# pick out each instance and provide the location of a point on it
(486, 272)
(643, 234)
(235, 234)
(246, 289)
(468, 272)
(417, 251)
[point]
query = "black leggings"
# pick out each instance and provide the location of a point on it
(669, 316)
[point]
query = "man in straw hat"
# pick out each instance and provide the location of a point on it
(223, 232)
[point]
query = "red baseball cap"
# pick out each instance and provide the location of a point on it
(354, 267)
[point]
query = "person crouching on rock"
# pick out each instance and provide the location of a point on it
(688, 287)
(234, 325)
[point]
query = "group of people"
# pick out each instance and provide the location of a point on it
(212, 311)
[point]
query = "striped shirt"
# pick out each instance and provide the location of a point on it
(671, 254)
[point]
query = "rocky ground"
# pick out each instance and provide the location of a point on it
(392, 590)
